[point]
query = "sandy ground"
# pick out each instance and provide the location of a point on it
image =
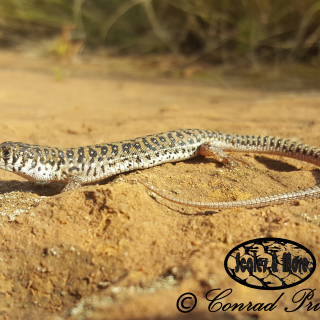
(112, 250)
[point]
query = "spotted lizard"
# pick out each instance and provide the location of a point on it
(81, 165)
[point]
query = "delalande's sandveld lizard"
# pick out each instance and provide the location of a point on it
(77, 166)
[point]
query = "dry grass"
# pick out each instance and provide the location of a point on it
(247, 32)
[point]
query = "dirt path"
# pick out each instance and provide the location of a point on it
(111, 251)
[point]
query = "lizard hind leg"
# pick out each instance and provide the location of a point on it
(73, 183)
(210, 150)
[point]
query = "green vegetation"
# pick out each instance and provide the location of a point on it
(216, 31)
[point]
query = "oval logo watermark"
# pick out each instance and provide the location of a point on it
(270, 263)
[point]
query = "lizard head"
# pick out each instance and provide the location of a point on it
(24, 160)
(8, 153)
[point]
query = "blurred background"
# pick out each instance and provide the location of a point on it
(180, 38)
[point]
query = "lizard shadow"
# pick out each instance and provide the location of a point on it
(270, 164)
(275, 165)
(48, 189)
(41, 189)
(280, 166)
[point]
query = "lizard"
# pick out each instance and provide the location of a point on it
(81, 165)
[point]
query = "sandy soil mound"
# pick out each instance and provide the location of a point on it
(113, 250)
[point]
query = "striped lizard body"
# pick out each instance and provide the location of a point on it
(77, 166)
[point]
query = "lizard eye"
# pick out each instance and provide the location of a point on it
(6, 153)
